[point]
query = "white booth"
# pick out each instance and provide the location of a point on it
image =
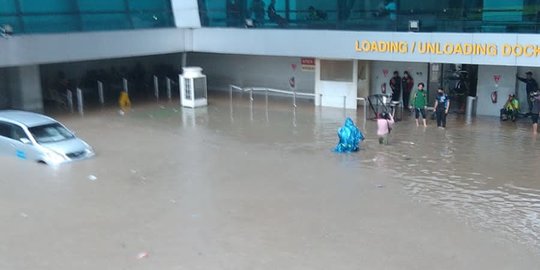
(336, 83)
(193, 90)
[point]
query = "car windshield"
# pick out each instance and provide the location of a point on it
(51, 133)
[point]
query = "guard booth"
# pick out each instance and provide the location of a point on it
(193, 89)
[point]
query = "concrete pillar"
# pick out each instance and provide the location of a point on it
(5, 96)
(186, 13)
(24, 86)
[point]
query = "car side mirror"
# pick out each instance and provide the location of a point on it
(25, 141)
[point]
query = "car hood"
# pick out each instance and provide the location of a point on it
(67, 146)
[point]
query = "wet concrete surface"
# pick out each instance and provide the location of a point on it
(234, 186)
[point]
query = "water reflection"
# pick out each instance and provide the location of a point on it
(480, 170)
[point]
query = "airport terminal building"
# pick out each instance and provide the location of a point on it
(337, 50)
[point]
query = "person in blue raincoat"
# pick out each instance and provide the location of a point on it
(349, 137)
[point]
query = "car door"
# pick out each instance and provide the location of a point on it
(24, 148)
(5, 142)
(15, 142)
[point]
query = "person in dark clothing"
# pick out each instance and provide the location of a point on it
(461, 91)
(273, 16)
(535, 100)
(442, 103)
(407, 83)
(531, 86)
(233, 13)
(395, 85)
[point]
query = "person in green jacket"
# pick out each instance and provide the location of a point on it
(419, 102)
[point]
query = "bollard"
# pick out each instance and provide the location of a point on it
(125, 85)
(294, 97)
(251, 105)
(69, 97)
(231, 103)
(266, 102)
(470, 106)
(80, 101)
(365, 113)
(156, 88)
(320, 100)
(100, 93)
(344, 102)
(169, 93)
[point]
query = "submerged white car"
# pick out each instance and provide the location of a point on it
(39, 138)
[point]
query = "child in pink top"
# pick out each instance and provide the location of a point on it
(385, 121)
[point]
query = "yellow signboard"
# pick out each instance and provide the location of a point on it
(438, 48)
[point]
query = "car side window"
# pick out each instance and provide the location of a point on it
(17, 133)
(5, 129)
(12, 131)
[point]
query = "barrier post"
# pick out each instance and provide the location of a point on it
(294, 97)
(100, 93)
(80, 101)
(266, 102)
(169, 93)
(365, 112)
(125, 85)
(156, 88)
(69, 97)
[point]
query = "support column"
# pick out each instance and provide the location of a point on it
(25, 88)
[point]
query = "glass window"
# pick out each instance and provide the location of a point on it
(50, 133)
(149, 4)
(5, 130)
(8, 7)
(92, 22)
(48, 16)
(336, 70)
(12, 131)
(17, 133)
(515, 16)
(48, 6)
(150, 19)
(101, 5)
(51, 23)
(13, 21)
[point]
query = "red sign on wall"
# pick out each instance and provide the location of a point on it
(308, 64)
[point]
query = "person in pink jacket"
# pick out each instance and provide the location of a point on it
(385, 121)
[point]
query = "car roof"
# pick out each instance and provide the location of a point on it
(28, 119)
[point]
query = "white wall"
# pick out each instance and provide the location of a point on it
(486, 85)
(56, 48)
(330, 44)
(333, 44)
(252, 71)
(418, 71)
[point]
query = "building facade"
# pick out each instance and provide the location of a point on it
(335, 49)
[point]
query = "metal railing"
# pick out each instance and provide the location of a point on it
(294, 94)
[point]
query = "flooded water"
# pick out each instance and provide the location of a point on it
(237, 185)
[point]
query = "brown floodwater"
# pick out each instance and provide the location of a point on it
(240, 185)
